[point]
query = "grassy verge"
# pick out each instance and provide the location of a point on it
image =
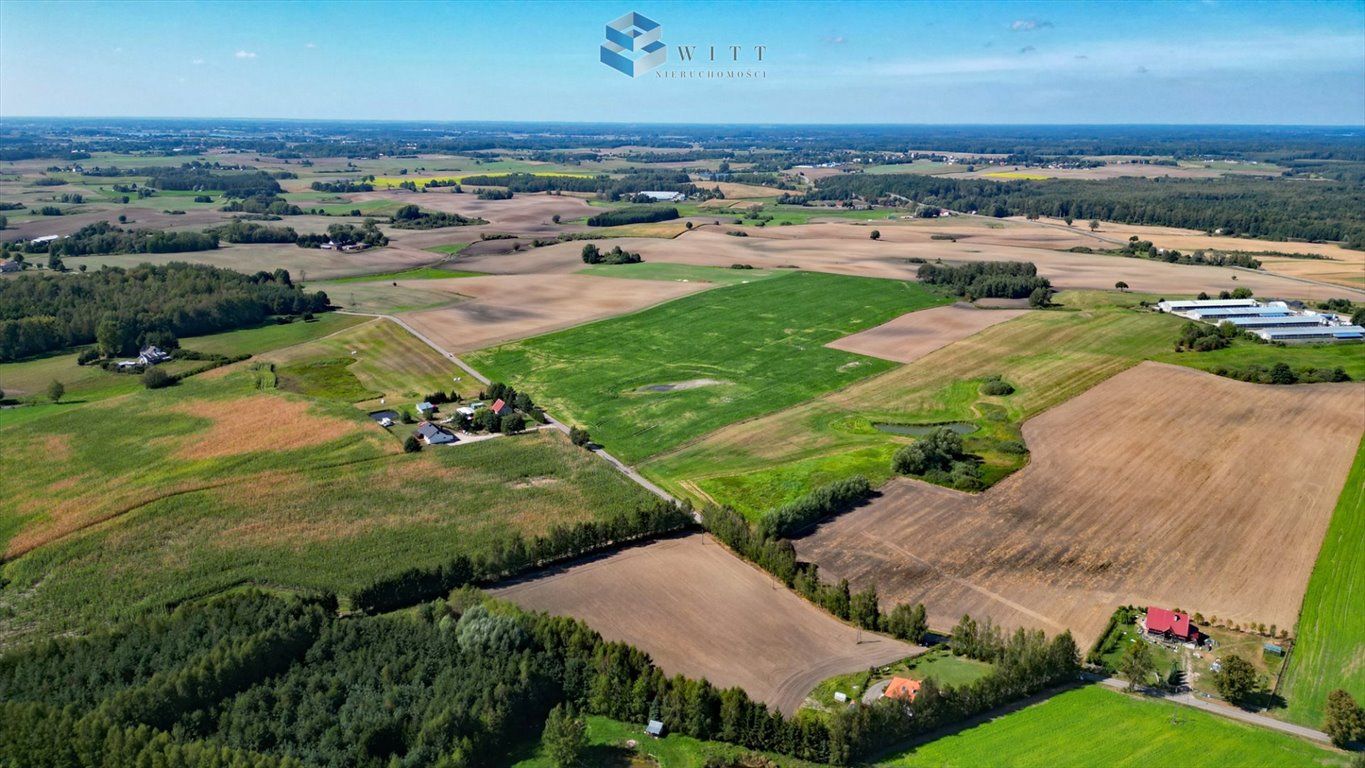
(1331, 631)
(1093, 726)
(733, 353)
(607, 748)
(421, 273)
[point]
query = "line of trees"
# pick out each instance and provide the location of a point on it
(806, 511)
(515, 554)
(105, 238)
(412, 217)
(636, 214)
(617, 255)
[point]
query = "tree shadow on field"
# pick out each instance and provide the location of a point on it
(831, 517)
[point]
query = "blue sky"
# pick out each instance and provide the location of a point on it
(1210, 61)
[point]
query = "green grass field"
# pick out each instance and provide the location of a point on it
(1330, 651)
(28, 379)
(655, 270)
(1049, 357)
(1244, 353)
(161, 496)
(740, 351)
(450, 249)
(1093, 726)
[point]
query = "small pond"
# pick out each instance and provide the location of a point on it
(920, 430)
(381, 415)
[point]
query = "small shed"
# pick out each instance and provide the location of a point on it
(840, 696)
(1274, 648)
(500, 407)
(425, 408)
(655, 728)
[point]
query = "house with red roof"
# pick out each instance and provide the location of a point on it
(902, 688)
(500, 407)
(1170, 625)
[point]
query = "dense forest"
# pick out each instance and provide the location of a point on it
(634, 182)
(230, 183)
(986, 279)
(45, 312)
(1283, 209)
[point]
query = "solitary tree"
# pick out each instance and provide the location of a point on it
(412, 444)
(1122, 286)
(1236, 681)
(1040, 297)
(876, 234)
(513, 423)
(1094, 225)
(1345, 719)
(1069, 220)
(156, 378)
(555, 218)
(55, 390)
(1137, 663)
(564, 736)
(579, 436)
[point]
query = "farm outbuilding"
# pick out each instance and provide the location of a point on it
(1314, 333)
(656, 729)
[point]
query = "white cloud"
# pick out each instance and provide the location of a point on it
(197, 62)
(310, 45)
(834, 39)
(245, 54)
(1028, 25)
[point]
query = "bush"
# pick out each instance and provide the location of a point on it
(412, 444)
(936, 450)
(87, 356)
(579, 436)
(156, 378)
(996, 386)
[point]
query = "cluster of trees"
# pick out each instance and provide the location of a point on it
(1271, 208)
(617, 255)
(343, 185)
(1202, 337)
(495, 194)
(635, 214)
(515, 554)
(232, 183)
(939, 458)
(105, 238)
(986, 279)
(42, 313)
(239, 231)
(1024, 663)
(1282, 373)
(263, 203)
(346, 234)
(412, 217)
(829, 499)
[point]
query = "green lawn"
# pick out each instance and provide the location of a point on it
(941, 665)
(1049, 357)
(329, 379)
(1242, 353)
(1098, 727)
(752, 349)
(1330, 652)
(654, 270)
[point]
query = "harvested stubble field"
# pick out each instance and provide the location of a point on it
(759, 345)
(1048, 356)
(700, 611)
(1161, 486)
(916, 334)
(504, 307)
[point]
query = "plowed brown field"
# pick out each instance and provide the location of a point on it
(1161, 486)
(700, 611)
(916, 334)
